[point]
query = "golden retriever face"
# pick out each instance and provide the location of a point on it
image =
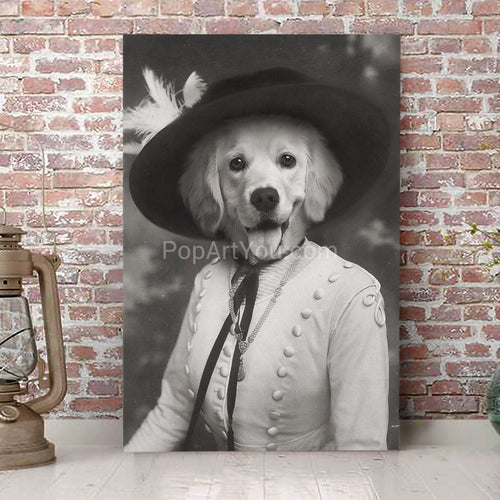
(261, 180)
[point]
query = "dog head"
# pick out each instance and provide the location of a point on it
(261, 180)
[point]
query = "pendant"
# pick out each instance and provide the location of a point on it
(243, 345)
(241, 371)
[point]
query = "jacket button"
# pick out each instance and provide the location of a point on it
(221, 393)
(275, 415)
(197, 309)
(195, 327)
(220, 416)
(282, 371)
(277, 395)
(186, 368)
(272, 431)
(207, 428)
(203, 292)
(271, 447)
(215, 260)
(189, 346)
(318, 294)
(208, 274)
(333, 277)
(223, 371)
(191, 394)
(297, 331)
(288, 351)
(306, 313)
(348, 265)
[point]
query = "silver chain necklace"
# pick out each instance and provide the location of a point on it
(235, 329)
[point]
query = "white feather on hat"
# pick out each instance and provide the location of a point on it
(159, 108)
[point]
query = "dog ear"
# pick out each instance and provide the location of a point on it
(200, 187)
(323, 181)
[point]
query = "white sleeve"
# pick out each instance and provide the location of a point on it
(358, 365)
(165, 426)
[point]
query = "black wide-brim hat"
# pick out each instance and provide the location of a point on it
(355, 130)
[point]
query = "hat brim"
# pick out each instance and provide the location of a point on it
(356, 131)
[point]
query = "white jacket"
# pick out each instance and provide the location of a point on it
(316, 374)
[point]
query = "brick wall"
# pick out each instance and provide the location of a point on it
(60, 76)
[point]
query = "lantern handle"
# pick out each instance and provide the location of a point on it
(46, 269)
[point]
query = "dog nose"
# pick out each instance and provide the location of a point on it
(265, 199)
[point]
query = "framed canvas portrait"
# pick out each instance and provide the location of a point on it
(261, 242)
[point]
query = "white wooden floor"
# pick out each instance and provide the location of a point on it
(104, 472)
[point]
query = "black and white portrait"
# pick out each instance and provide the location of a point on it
(261, 242)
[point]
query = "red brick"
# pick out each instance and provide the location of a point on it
(434, 199)
(64, 65)
(389, 25)
(478, 313)
(86, 179)
(9, 85)
(413, 122)
(34, 85)
(448, 7)
(423, 65)
(103, 387)
(471, 142)
(449, 27)
(14, 65)
(445, 45)
(416, 85)
(450, 86)
(471, 368)
(417, 218)
(470, 198)
(435, 180)
(344, 7)
(104, 369)
(410, 238)
(444, 276)
(441, 256)
(382, 7)
(477, 45)
(64, 45)
(317, 7)
(450, 122)
(486, 86)
(33, 26)
(491, 26)
(100, 124)
(108, 8)
(429, 331)
(413, 46)
(419, 294)
(29, 104)
(491, 332)
(420, 142)
(486, 8)
(63, 123)
(71, 7)
(445, 313)
(476, 275)
(10, 8)
(471, 295)
(485, 180)
(111, 314)
(100, 45)
(99, 26)
(82, 352)
(446, 404)
(439, 161)
(408, 199)
(417, 7)
(494, 198)
(99, 405)
(20, 198)
(159, 26)
(494, 104)
(97, 104)
(108, 83)
(70, 84)
(476, 349)
(472, 66)
(37, 8)
(412, 387)
(441, 387)
(292, 26)
(412, 352)
(82, 313)
(271, 8)
(177, 7)
(411, 313)
(420, 369)
(475, 161)
(451, 104)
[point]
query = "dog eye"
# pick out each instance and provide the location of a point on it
(287, 161)
(237, 164)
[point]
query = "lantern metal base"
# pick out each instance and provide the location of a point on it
(22, 443)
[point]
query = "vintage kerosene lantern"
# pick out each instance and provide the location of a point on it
(22, 439)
